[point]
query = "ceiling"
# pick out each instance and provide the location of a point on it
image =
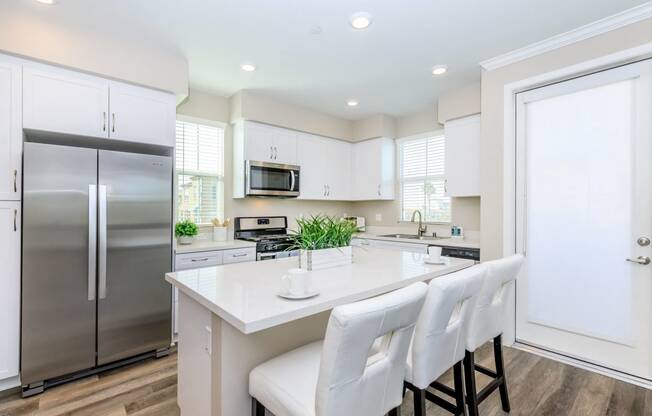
(306, 52)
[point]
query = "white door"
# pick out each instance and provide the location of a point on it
(56, 100)
(10, 293)
(463, 156)
(584, 207)
(11, 139)
(285, 146)
(141, 115)
(366, 168)
(337, 156)
(312, 182)
(259, 142)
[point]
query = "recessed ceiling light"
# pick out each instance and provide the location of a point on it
(352, 103)
(360, 20)
(439, 69)
(50, 2)
(248, 67)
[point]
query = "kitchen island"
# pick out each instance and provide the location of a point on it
(231, 319)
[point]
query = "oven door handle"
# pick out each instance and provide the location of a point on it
(293, 179)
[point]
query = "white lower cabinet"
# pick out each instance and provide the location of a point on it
(204, 259)
(9, 293)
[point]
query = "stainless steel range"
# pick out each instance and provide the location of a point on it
(270, 235)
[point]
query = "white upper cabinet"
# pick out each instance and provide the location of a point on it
(373, 170)
(10, 129)
(310, 152)
(337, 157)
(61, 101)
(463, 156)
(325, 168)
(285, 146)
(331, 169)
(264, 143)
(10, 293)
(141, 115)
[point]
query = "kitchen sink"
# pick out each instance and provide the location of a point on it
(413, 237)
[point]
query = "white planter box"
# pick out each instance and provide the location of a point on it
(326, 258)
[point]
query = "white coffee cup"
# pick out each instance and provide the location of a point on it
(434, 254)
(297, 282)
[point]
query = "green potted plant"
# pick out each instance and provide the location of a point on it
(185, 231)
(324, 242)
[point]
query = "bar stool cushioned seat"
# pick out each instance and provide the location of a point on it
(439, 337)
(338, 376)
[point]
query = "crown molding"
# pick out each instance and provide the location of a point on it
(627, 17)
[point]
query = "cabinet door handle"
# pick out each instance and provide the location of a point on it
(271, 152)
(196, 260)
(239, 255)
(275, 152)
(324, 190)
(15, 180)
(15, 220)
(379, 193)
(113, 123)
(445, 186)
(328, 187)
(104, 121)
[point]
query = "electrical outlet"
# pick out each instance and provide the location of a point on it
(379, 217)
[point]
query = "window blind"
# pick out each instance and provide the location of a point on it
(423, 180)
(200, 171)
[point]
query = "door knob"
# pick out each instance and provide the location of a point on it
(644, 260)
(643, 241)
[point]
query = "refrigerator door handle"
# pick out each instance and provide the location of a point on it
(102, 240)
(92, 240)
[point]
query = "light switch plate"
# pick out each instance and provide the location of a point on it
(379, 217)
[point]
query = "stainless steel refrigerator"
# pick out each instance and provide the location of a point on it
(96, 245)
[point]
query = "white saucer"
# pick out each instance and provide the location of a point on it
(442, 261)
(287, 295)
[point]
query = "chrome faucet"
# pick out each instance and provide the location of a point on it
(422, 228)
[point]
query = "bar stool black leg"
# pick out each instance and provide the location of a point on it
(469, 378)
(500, 371)
(257, 409)
(395, 411)
(419, 402)
(458, 380)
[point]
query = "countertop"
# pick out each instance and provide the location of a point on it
(448, 242)
(210, 245)
(245, 294)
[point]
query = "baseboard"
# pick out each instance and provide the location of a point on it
(9, 386)
(628, 378)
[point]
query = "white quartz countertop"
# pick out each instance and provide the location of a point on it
(245, 294)
(448, 242)
(210, 245)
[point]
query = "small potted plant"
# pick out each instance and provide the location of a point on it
(324, 242)
(185, 231)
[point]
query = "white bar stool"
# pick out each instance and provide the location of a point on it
(486, 323)
(439, 339)
(337, 376)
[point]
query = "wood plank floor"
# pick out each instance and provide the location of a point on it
(537, 386)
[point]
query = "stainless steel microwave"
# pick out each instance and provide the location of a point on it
(271, 179)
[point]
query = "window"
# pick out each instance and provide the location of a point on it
(422, 179)
(200, 171)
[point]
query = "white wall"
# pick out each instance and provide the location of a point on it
(460, 103)
(216, 108)
(32, 36)
(248, 105)
(493, 84)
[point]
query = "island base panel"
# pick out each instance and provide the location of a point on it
(215, 358)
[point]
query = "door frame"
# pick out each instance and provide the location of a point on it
(509, 200)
